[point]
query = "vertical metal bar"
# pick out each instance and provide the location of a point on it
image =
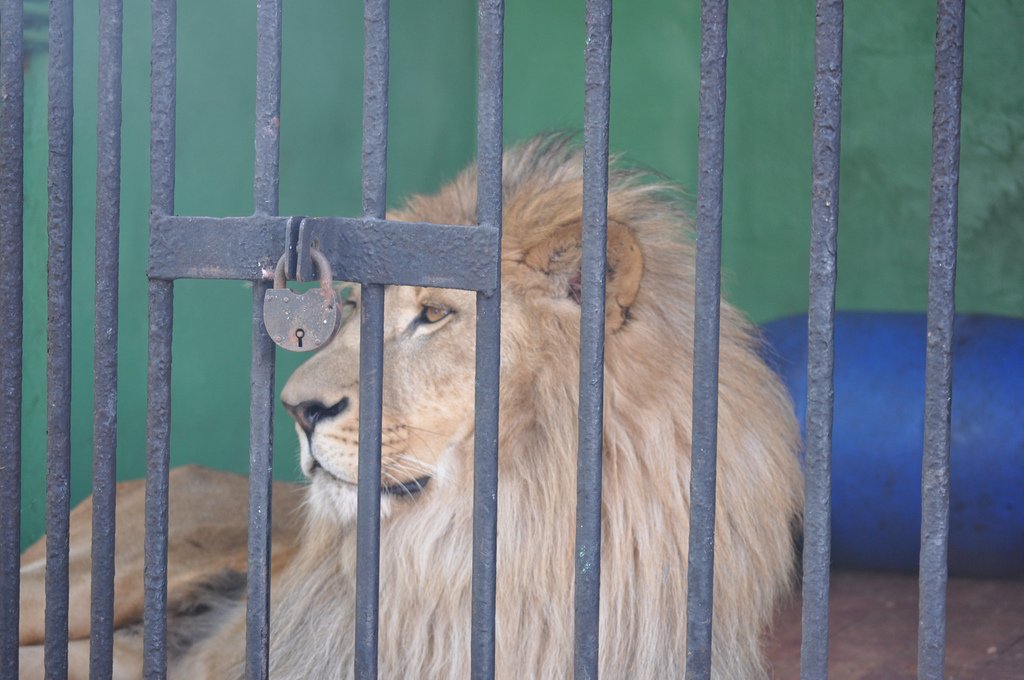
(108, 219)
(371, 341)
(261, 454)
(268, 106)
(58, 336)
(158, 455)
(711, 150)
(597, 64)
(12, 128)
(488, 341)
(371, 361)
(828, 82)
(261, 410)
(161, 316)
(949, 70)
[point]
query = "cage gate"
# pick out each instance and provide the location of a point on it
(376, 252)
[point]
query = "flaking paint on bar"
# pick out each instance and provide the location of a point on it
(58, 335)
(163, 85)
(12, 123)
(371, 341)
(488, 340)
(108, 217)
(596, 112)
(266, 179)
(710, 148)
(949, 69)
(821, 334)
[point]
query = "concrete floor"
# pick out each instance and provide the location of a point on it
(873, 629)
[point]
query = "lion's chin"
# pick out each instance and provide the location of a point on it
(337, 499)
(333, 500)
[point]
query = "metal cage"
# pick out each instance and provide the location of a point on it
(201, 247)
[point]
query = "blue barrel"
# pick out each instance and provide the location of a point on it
(878, 438)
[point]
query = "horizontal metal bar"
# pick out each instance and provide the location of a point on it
(243, 248)
(366, 251)
(403, 253)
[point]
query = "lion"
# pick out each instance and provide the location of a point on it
(205, 573)
(427, 458)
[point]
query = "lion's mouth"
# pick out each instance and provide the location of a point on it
(410, 488)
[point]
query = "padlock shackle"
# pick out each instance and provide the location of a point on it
(322, 265)
(282, 263)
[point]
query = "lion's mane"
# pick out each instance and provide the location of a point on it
(426, 554)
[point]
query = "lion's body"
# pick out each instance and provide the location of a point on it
(206, 542)
(425, 537)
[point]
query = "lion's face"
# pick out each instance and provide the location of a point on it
(429, 356)
(429, 340)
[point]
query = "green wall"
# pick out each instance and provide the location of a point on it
(886, 145)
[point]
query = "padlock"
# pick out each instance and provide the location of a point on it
(302, 322)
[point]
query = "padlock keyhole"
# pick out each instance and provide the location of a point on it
(299, 334)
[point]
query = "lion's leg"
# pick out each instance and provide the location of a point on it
(31, 667)
(127, 654)
(30, 662)
(127, 658)
(207, 549)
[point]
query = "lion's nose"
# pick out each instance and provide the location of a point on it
(309, 413)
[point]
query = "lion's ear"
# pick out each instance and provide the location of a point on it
(560, 254)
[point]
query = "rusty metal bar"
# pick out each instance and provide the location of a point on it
(268, 106)
(161, 316)
(366, 250)
(58, 335)
(828, 82)
(597, 64)
(108, 227)
(158, 460)
(949, 70)
(261, 409)
(371, 344)
(711, 151)
(261, 480)
(12, 194)
(488, 341)
(376, 251)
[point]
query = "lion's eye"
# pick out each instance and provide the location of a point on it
(434, 314)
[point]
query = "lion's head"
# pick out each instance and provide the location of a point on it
(426, 481)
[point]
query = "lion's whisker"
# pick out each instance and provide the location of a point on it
(423, 439)
(423, 429)
(400, 483)
(418, 470)
(414, 463)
